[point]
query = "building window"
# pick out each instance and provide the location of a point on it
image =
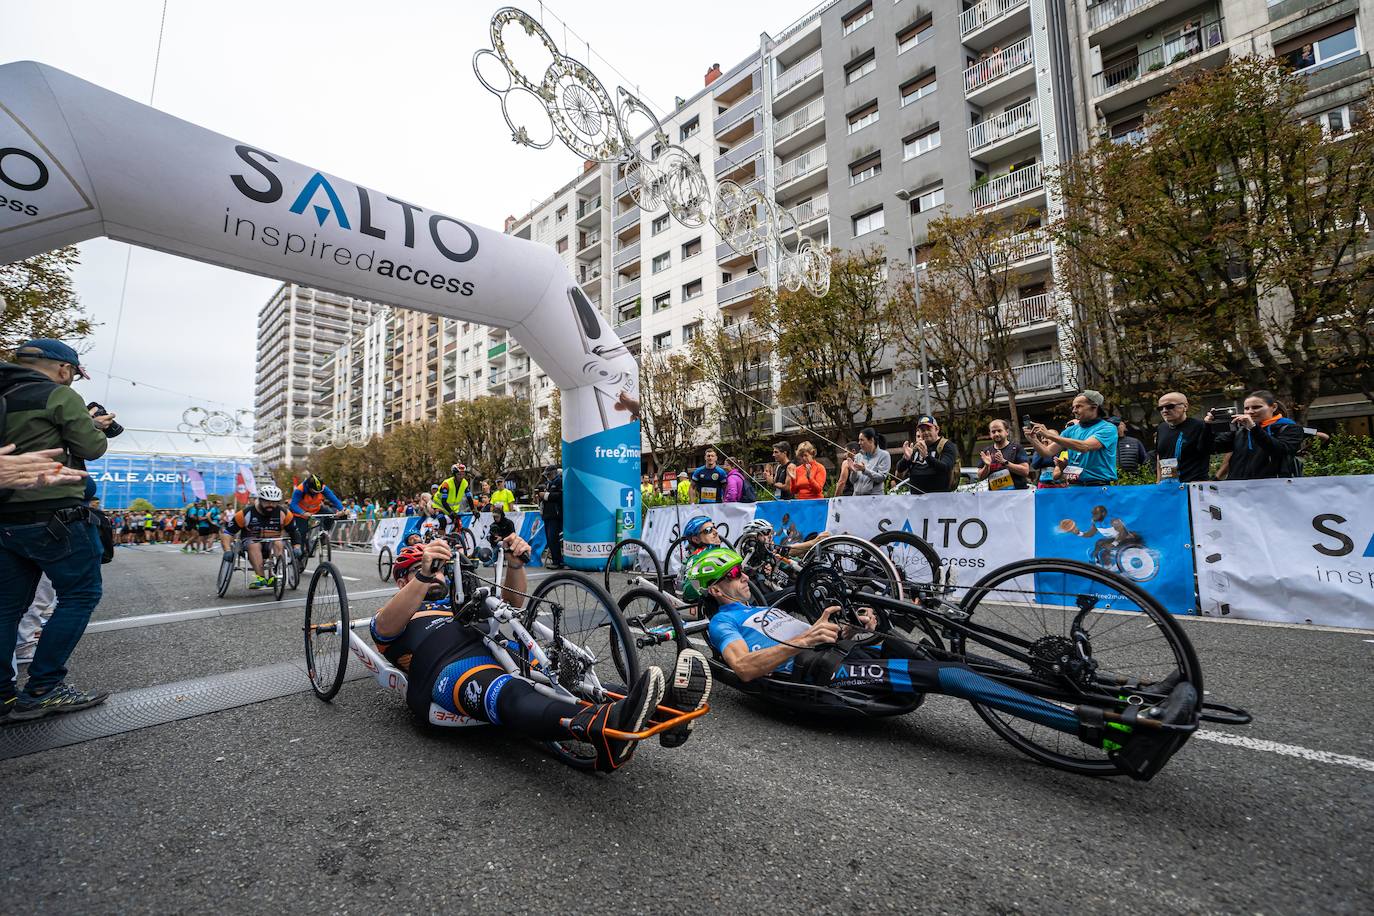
(868, 222)
(1321, 47)
(656, 150)
(1336, 122)
(562, 213)
(928, 199)
(691, 290)
(689, 129)
(695, 416)
(864, 117)
(690, 331)
(913, 35)
(663, 341)
(659, 224)
(862, 171)
(663, 301)
(562, 245)
(860, 68)
(628, 312)
(880, 384)
(923, 142)
(855, 20)
(692, 248)
(918, 88)
(662, 262)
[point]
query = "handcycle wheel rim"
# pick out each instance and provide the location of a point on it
(384, 561)
(647, 612)
(326, 649)
(278, 577)
(645, 565)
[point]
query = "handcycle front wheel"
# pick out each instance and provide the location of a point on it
(384, 561)
(631, 558)
(594, 642)
(326, 631)
(862, 565)
(293, 572)
(656, 626)
(1094, 637)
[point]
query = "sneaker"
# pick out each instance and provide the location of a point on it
(62, 698)
(1146, 749)
(258, 582)
(687, 692)
(627, 715)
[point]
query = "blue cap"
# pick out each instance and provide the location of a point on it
(48, 348)
(926, 419)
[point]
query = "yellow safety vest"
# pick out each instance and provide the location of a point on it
(446, 498)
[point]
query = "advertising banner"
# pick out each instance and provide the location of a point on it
(166, 481)
(392, 532)
(663, 525)
(1297, 551)
(1139, 532)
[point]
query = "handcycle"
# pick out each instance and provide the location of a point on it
(318, 538)
(280, 566)
(570, 641)
(1069, 633)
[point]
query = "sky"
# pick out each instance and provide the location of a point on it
(381, 94)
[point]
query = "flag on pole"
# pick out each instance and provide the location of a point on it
(197, 483)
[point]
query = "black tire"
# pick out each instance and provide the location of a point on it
(293, 572)
(591, 619)
(226, 572)
(914, 559)
(326, 631)
(656, 625)
(468, 542)
(277, 570)
(384, 561)
(1156, 645)
(863, 565)
(629, 559)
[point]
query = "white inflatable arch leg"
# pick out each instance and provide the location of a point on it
(78, 161)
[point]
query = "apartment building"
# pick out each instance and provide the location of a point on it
(299, 330)
(354, 389)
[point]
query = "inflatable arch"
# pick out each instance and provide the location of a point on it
(78, 161)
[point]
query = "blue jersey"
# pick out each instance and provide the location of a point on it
(710, 483)
(758, 627)
(1098, 466)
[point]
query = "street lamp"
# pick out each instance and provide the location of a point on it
(905, 197)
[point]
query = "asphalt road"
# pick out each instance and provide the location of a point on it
(350, 808)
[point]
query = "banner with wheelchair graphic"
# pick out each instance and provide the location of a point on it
(1141, 533)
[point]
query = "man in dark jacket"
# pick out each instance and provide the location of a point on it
(930, 462)
(1183, 444)
(551, 510)
(48, 529)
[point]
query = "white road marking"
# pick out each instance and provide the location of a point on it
(1287, 750)
(350, 578)
(200, 613)
(1324, 628)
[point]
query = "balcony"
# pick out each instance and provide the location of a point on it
(808, 163)
(496, 351)
(1028, 311)
(626, 220)
(738, 157)
(800, 125)
(739, 289)
(992, 21)
(627, 255)
(1039, 376)
(1112, 21)
(627, 290)
(811, 210)
(628, 329)
(1153, 69)
(1007, 188)
(496, 380)
(994, 136)
(589, 211)
(590, 240)
(738, 112)
(736, 85)
(796, 75)
(1008, 69)
(589, 272)
(1028, 246)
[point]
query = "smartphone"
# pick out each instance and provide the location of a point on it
(1225, 411)
(1027, 422)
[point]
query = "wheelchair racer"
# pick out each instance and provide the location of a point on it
(447, 663)
(761, 642)
(264, 517)
(307, 500)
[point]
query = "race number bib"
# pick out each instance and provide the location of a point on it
(1000, 480)
(708, 494)
(1168, 469)
(1072, 472)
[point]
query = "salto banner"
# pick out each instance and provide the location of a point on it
(78, 161)
(1298, 551)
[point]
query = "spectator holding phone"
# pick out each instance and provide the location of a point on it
(1005, 465)
(1263, 442)
(1090, 442)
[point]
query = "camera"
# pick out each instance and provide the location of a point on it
(1227, 412)
(114, 429)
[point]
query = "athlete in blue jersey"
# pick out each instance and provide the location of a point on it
(708, 481)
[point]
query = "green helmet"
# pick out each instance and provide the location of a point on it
(706, 568)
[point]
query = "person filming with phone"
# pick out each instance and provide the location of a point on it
(1263, 442)
(1090, 442)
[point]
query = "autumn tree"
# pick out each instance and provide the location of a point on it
(667, 383)
(39, 300)
(1236, 236)
(733, 361)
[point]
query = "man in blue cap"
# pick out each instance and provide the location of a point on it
(48, 529)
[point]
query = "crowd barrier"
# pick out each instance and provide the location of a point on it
(392, 532)
(1297, 551)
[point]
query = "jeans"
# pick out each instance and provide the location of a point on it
(553, 533)
(72, 563)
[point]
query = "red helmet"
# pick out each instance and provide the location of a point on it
(407, 558)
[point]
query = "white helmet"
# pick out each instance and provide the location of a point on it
(270, 492)
(759, 526)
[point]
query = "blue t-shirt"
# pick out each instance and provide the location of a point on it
(1099, 465)
(710, 483)
(759, 627)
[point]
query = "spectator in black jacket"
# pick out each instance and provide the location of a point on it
(1183, 444)
(1263, 442)
(929, 462)
(1131, 454)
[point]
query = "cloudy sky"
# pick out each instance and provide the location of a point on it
(382, 94)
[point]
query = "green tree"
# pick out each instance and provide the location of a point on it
(1236, 237)
(668, 386)
(141, 505)
(39, 300)
(733, 361)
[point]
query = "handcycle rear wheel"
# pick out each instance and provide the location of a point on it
(656, 626)
(228, 560)
(293, 572)
(914, 559)
(631, 558)
(384, 561)
(1131, 639)
(277, 570)
(862, 565)
(326, 631)
(590, 619)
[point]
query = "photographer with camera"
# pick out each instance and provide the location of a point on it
(48, 529)
(1263, 442)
